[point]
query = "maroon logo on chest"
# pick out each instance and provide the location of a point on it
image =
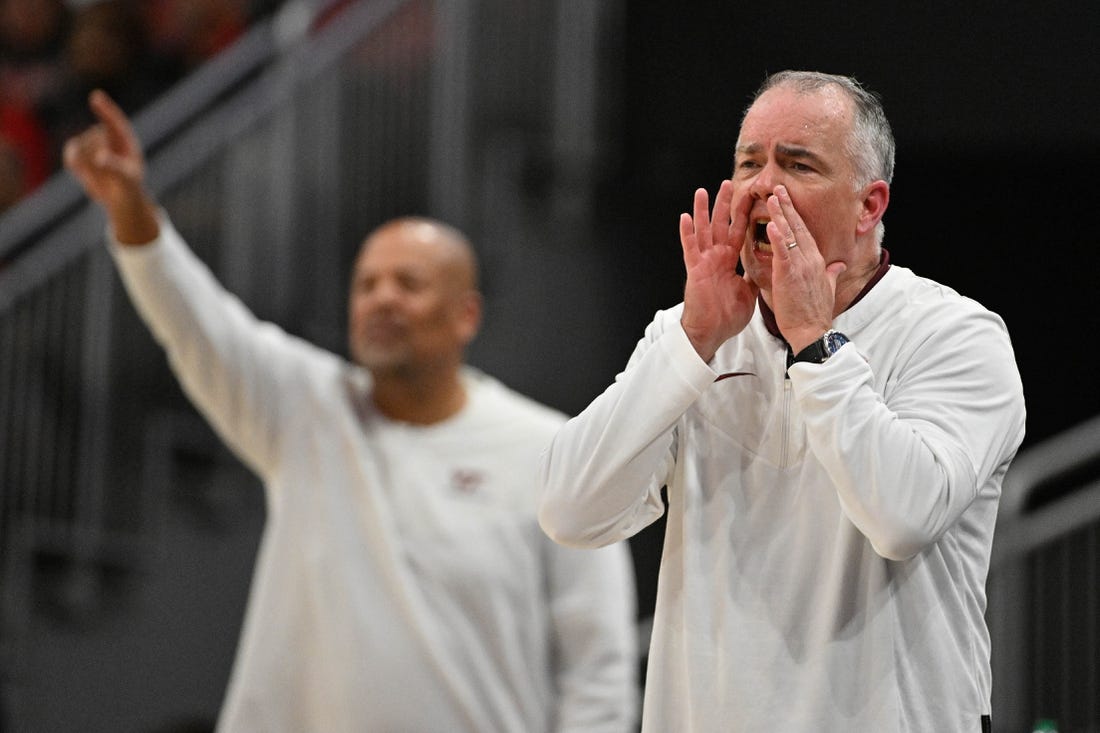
(467, 480)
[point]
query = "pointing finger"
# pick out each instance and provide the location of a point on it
(120, 134)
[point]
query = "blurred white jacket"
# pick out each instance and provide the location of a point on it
(402, 582)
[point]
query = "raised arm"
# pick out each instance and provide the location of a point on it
(108, 162)
(236, 370)
(602, 475)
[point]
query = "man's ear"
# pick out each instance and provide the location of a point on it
(876, 197)
(470, 316)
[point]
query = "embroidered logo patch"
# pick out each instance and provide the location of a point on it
(467, 480)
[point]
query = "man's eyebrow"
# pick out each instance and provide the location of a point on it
(787, 151)
(795, 151)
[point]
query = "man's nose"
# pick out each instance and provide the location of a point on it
(763, 185)
(382, 295)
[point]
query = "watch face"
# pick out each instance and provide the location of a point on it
(833, 341)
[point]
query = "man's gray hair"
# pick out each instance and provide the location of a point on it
(871, 144)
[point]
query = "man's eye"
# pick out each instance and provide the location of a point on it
(801, 167)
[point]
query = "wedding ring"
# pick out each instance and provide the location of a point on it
(792, 244)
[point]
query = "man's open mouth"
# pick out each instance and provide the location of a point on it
(760, 241)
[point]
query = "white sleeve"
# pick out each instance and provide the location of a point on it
(593, 610)
(227, 361)
(601, 476)
(907, 466)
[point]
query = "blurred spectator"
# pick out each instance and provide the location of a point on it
(185, 33)
(24, 152)
(54, 52)
(11, 177)
(106, 48)
(32, 36)
(32, 71)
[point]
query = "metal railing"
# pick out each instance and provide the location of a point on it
(1044, 586)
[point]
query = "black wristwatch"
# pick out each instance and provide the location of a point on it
(822, 349)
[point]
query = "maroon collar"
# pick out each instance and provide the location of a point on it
(769, 317)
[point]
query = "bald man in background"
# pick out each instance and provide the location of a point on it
(402, 582)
